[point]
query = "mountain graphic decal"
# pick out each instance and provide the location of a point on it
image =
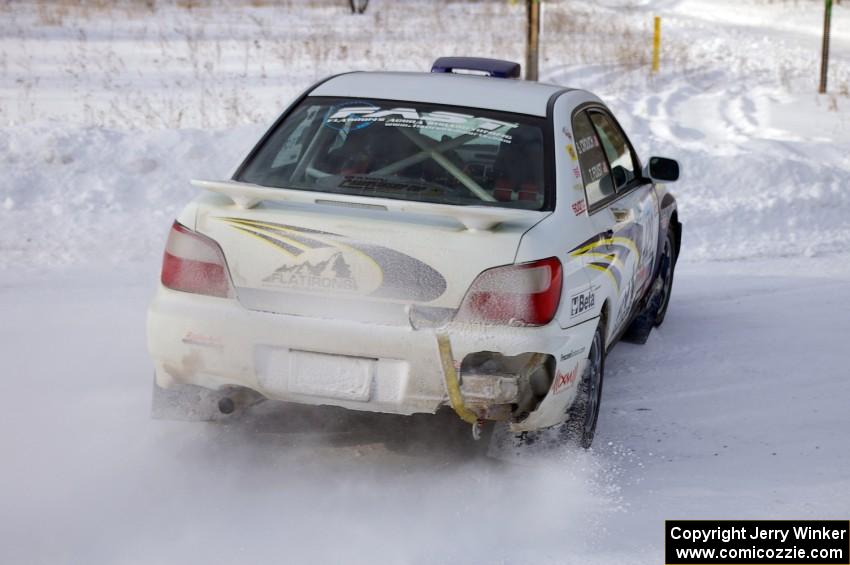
(401, 276)
(331, 274)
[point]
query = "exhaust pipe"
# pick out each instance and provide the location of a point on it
(226, 405)
(238, 399)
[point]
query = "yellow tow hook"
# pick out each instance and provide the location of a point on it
(453, 385)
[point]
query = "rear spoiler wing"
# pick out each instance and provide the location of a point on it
(246, 195)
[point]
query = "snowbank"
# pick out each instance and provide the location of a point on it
(99, 196)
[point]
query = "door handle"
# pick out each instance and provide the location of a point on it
(622, 214)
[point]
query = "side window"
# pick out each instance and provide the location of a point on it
(591, 158)
(617, 149)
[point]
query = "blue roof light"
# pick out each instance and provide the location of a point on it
(491, 67)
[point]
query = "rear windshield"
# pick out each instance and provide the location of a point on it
(405, 150)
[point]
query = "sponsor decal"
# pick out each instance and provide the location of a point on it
(577, 173)
(582, 302)
(626, 258)
(597, 171)
(331, 274)
(579, 207)
(643, 273)
(578, 186)
(571, 354)
(348, 108)
(319, 261)
(564, 379)
(627, 300)
(192, 338)
(610, 254)
(360, 114)
(566, 132)
(585, 144)
(571, 152)
(648, 241)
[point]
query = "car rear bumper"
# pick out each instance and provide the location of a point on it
(214, 343)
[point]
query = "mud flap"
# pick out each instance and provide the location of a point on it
(191, 403)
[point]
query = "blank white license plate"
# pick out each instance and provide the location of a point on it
(331, 376)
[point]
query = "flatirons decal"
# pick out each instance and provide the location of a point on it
(331, 274)
(320, 261)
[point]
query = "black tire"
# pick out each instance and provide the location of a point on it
(582, 415)
(665, 273)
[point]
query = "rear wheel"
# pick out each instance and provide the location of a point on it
(580, 426)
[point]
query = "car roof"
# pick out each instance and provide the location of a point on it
(506, 95)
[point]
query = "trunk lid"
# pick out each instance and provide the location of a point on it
(343, 260)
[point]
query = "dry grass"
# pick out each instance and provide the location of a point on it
(56, 12)
(575, 31)
(221, 63)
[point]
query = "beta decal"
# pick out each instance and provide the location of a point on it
(582, 302)
(564, 379)
(579, 207)
(572, 152)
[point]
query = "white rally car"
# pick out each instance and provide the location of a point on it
(400, 242)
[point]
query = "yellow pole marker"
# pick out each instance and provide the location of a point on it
(656, 46)
(452, 385)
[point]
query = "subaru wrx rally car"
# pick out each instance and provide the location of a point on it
(401, 242)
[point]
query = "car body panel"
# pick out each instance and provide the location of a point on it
(215, 342)
(276, 251)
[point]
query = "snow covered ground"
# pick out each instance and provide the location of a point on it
(736, 408)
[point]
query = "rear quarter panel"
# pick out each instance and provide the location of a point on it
(583, 296)
(569, 225)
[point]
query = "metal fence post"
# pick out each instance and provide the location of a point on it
(656, 46)
(824, 60)
(533, 39)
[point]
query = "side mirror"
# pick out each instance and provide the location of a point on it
(662, 169)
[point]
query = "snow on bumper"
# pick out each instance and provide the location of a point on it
(213, 343)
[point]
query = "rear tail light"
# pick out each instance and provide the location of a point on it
(194, 263)
(528, 294)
